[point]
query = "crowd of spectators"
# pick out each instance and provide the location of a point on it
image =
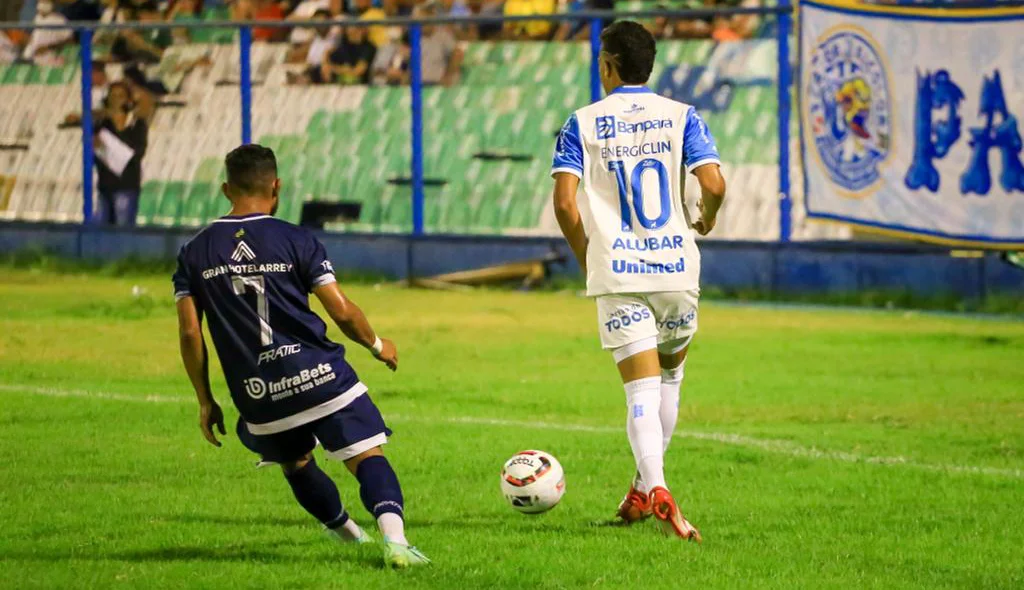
(340, 53)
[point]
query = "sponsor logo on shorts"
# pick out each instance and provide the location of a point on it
(680, 321)
(623, 318)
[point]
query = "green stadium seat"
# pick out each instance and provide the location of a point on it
(17, 73)
(195, 209)
(171, 204)
(149, 201)
(34, 75)
(209, 170)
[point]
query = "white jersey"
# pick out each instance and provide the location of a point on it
(630, 150)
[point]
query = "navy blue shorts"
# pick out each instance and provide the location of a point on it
(354, 429)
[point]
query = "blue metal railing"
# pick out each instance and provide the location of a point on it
(783, 10)
(87, 142)
(785, 26)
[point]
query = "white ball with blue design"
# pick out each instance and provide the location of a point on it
(532, 482)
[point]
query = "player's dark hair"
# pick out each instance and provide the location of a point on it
(251, 168)
(633, 48)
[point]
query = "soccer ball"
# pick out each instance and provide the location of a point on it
(532, 482)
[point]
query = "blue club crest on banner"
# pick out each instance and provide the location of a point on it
(849, 109)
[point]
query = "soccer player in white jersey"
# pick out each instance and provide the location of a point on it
(632, 236)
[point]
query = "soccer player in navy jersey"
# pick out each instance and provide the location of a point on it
(250, 275)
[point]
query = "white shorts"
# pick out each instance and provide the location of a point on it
(669, 317)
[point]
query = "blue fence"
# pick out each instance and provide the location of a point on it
(783, 11)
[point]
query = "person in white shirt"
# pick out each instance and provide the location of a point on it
(44, 44)
(628, 156)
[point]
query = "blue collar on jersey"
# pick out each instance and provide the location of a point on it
(631, 90)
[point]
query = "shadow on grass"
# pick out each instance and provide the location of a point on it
(274, 553)
(246, 521)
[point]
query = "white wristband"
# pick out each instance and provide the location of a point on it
(378, 346)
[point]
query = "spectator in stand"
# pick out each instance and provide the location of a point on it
(262, 10)
(325, 39)
(485, 8)
(185, 12)
(531, 29)
(82, 10)
(379, 35)
(301, 37)
(123, 124)
(441, 53)
(350, 61)
(399, 7)
(580, 29)
(736, 27)
(44, 45)
(9, 49)
(456, 9)
(391, 64)
(664, 28)
(142, 45)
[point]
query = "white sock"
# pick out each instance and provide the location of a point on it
(393, 527)
(349, 531)
(671, 380)
(643, 425)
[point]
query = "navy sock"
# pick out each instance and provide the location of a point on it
(378, 486)
(317, 493)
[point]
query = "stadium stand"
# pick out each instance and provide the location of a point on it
(487, 143)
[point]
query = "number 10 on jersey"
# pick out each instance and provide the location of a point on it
(637, 188)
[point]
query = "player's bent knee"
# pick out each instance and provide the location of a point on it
(353, 463)
(293, 466)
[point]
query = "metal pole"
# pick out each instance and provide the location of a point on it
(595, 52)
(85, 53)
(245, 59)
(416, 86)
(785, 81)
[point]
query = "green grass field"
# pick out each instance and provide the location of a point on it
(817, 449)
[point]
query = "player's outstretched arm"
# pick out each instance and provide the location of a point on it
(568, 214)
(196, 360)
(353, 323)
(712, 193)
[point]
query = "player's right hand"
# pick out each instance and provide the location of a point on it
(210, 415)
(389, 354)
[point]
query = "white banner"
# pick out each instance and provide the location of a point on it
(909, 120)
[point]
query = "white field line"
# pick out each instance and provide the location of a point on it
(779, 447)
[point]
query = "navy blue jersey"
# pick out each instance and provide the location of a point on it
(251, 277)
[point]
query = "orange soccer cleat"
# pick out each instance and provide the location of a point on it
(663, 505)
(636, 506)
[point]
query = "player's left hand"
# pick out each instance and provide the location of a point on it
(704, 224)
(389, 354)
(210, 415)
